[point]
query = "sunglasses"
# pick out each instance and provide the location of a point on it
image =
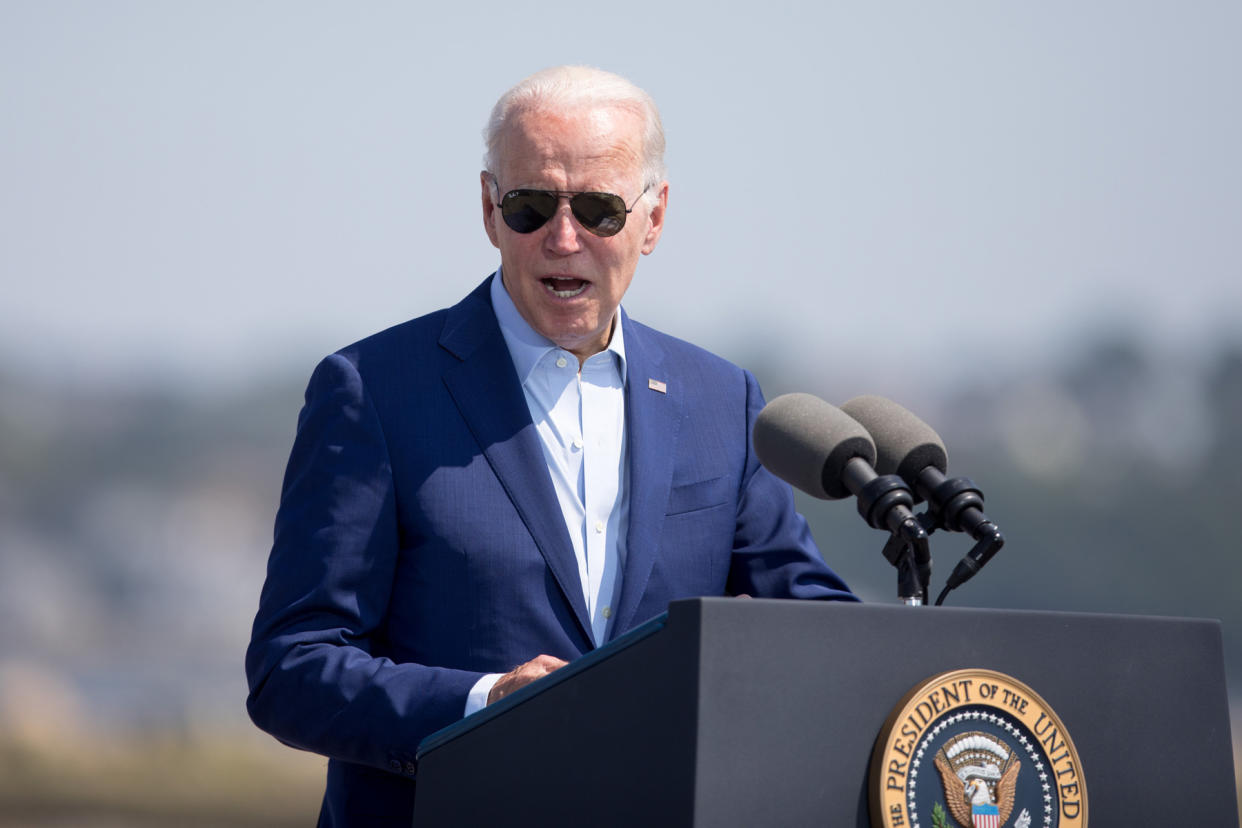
(603, 214)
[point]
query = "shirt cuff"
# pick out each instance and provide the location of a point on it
(477, 699)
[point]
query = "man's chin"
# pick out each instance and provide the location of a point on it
(584, 344)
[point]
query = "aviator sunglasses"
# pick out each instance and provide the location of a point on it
(603, 214)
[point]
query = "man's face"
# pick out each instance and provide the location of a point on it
(565, 281)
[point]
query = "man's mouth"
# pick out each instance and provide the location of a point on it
(564, 288)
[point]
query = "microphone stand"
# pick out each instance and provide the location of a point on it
(959, 510)
(908, 550)
(884, 502)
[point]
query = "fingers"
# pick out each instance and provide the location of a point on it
(524, 674)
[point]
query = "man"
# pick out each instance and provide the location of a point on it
(514, 480)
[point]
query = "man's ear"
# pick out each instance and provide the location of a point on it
(655, 221)
(490, 207)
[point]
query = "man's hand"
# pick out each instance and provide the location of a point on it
(524, 674)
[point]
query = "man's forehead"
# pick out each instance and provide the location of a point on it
(585, 139)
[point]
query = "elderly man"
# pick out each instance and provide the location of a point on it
(514, 480)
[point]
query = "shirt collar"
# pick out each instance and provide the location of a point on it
(527, 346)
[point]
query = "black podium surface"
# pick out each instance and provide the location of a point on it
(731, 712)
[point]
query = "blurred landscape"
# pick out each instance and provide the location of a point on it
(135, 522)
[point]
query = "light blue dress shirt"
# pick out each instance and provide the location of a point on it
(579, 414)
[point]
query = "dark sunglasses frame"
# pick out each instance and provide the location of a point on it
(602, 214)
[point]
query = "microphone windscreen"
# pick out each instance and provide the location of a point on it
(905, 445)
(806, 442)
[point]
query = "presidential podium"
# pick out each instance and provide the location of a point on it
(735, 712)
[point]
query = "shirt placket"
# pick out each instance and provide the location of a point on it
(601, 438)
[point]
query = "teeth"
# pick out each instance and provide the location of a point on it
(564, 294)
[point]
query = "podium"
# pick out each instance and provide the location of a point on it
(736, 712)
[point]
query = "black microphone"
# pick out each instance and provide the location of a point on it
(908, 447)
(826, 453)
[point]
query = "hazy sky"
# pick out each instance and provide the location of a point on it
(213, 190)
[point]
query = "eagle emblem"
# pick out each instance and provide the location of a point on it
(980, 776)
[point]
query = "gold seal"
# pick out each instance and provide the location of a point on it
(975, 749)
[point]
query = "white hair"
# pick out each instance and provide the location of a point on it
(563, 88)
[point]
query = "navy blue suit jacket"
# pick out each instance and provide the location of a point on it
(419, 543)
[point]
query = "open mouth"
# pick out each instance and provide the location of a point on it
(564, 288)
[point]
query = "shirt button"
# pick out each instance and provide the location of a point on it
(577, 442)
(599, 526)
(608, 612)
(560, 362)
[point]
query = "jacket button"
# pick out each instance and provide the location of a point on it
(394, 765)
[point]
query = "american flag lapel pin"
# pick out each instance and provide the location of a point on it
(656, 385)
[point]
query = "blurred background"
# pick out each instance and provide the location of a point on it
(1022, 221)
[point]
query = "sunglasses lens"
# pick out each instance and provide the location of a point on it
(601, 213)
(525, 211)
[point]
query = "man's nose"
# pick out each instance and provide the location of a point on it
(563, 230)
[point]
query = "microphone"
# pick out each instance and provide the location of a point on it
(826, 453)
(908, 447)
(808, 443)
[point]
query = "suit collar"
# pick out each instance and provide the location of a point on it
(470, 323)
(484, 386)
(653, 418)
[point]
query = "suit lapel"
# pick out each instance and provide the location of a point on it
(653, 418)
(485, 388)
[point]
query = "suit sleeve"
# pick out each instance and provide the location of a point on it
(316, 681)
(774, 555)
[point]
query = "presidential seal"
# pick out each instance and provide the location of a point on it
(975, 749)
